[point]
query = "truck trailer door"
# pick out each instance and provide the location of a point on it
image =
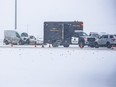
(67, 33)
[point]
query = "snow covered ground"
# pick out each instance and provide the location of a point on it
(28, 66)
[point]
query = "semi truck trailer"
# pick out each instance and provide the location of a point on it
(62, 33)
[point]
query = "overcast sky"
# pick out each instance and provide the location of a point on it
(97, 15)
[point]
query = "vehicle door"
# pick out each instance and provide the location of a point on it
(100, 39)
(104, 39)
(17, 39)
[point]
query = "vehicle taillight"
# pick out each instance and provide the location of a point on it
(113, 39)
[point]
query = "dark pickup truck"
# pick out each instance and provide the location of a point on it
(84, 39)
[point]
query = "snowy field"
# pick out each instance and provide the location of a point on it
(27, 66)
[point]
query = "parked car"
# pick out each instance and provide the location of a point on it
(25, 38)
(12, 36)
(106, 41)
(39, 41)
(32, 40)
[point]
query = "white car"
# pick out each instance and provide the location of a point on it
(106, 40)
(32, 40)
(39, 41)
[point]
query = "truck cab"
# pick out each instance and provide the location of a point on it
(84, 39)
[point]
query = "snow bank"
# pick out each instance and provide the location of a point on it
(57, 67)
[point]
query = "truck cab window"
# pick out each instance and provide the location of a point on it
(17, 35)
(111, 36)
(105, 36)
(24, 35)
(84, 34)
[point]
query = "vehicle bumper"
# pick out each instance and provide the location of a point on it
(90, 43)
(113, 45)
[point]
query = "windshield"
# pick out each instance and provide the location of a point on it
(32, 37)
(17, 35)
(24, 35)
(114, 36)
(77, 34)
(95, 35)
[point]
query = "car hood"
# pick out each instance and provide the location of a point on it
(86, 36)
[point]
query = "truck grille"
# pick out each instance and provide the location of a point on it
(24, 38)
(90, 39)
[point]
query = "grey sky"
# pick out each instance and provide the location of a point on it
(97, 15)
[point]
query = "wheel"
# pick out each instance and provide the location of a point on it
(66, 45)
(20, 42)
(96, 45)
(54, 45)
(6, 42)
(28, 42)
(108, 45)
(81, 44)
(91, 46)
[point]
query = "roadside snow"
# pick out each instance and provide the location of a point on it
(57, 67)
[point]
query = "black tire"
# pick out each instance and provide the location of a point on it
(66, 45)
(20, 42)
(81, 44)
(6, 42)
(96, 45)
(108, 45)
(54, 45)
(28, 42)
(92, 46)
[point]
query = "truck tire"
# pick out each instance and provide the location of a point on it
(66, 45)
(108, 45)
(20, 42)
(54, 45)
(81, 44)
(96, 45)
(27, 42)
(91, 46)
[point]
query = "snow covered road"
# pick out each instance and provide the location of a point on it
(57, 67)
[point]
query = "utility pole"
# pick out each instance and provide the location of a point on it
(15, 14)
